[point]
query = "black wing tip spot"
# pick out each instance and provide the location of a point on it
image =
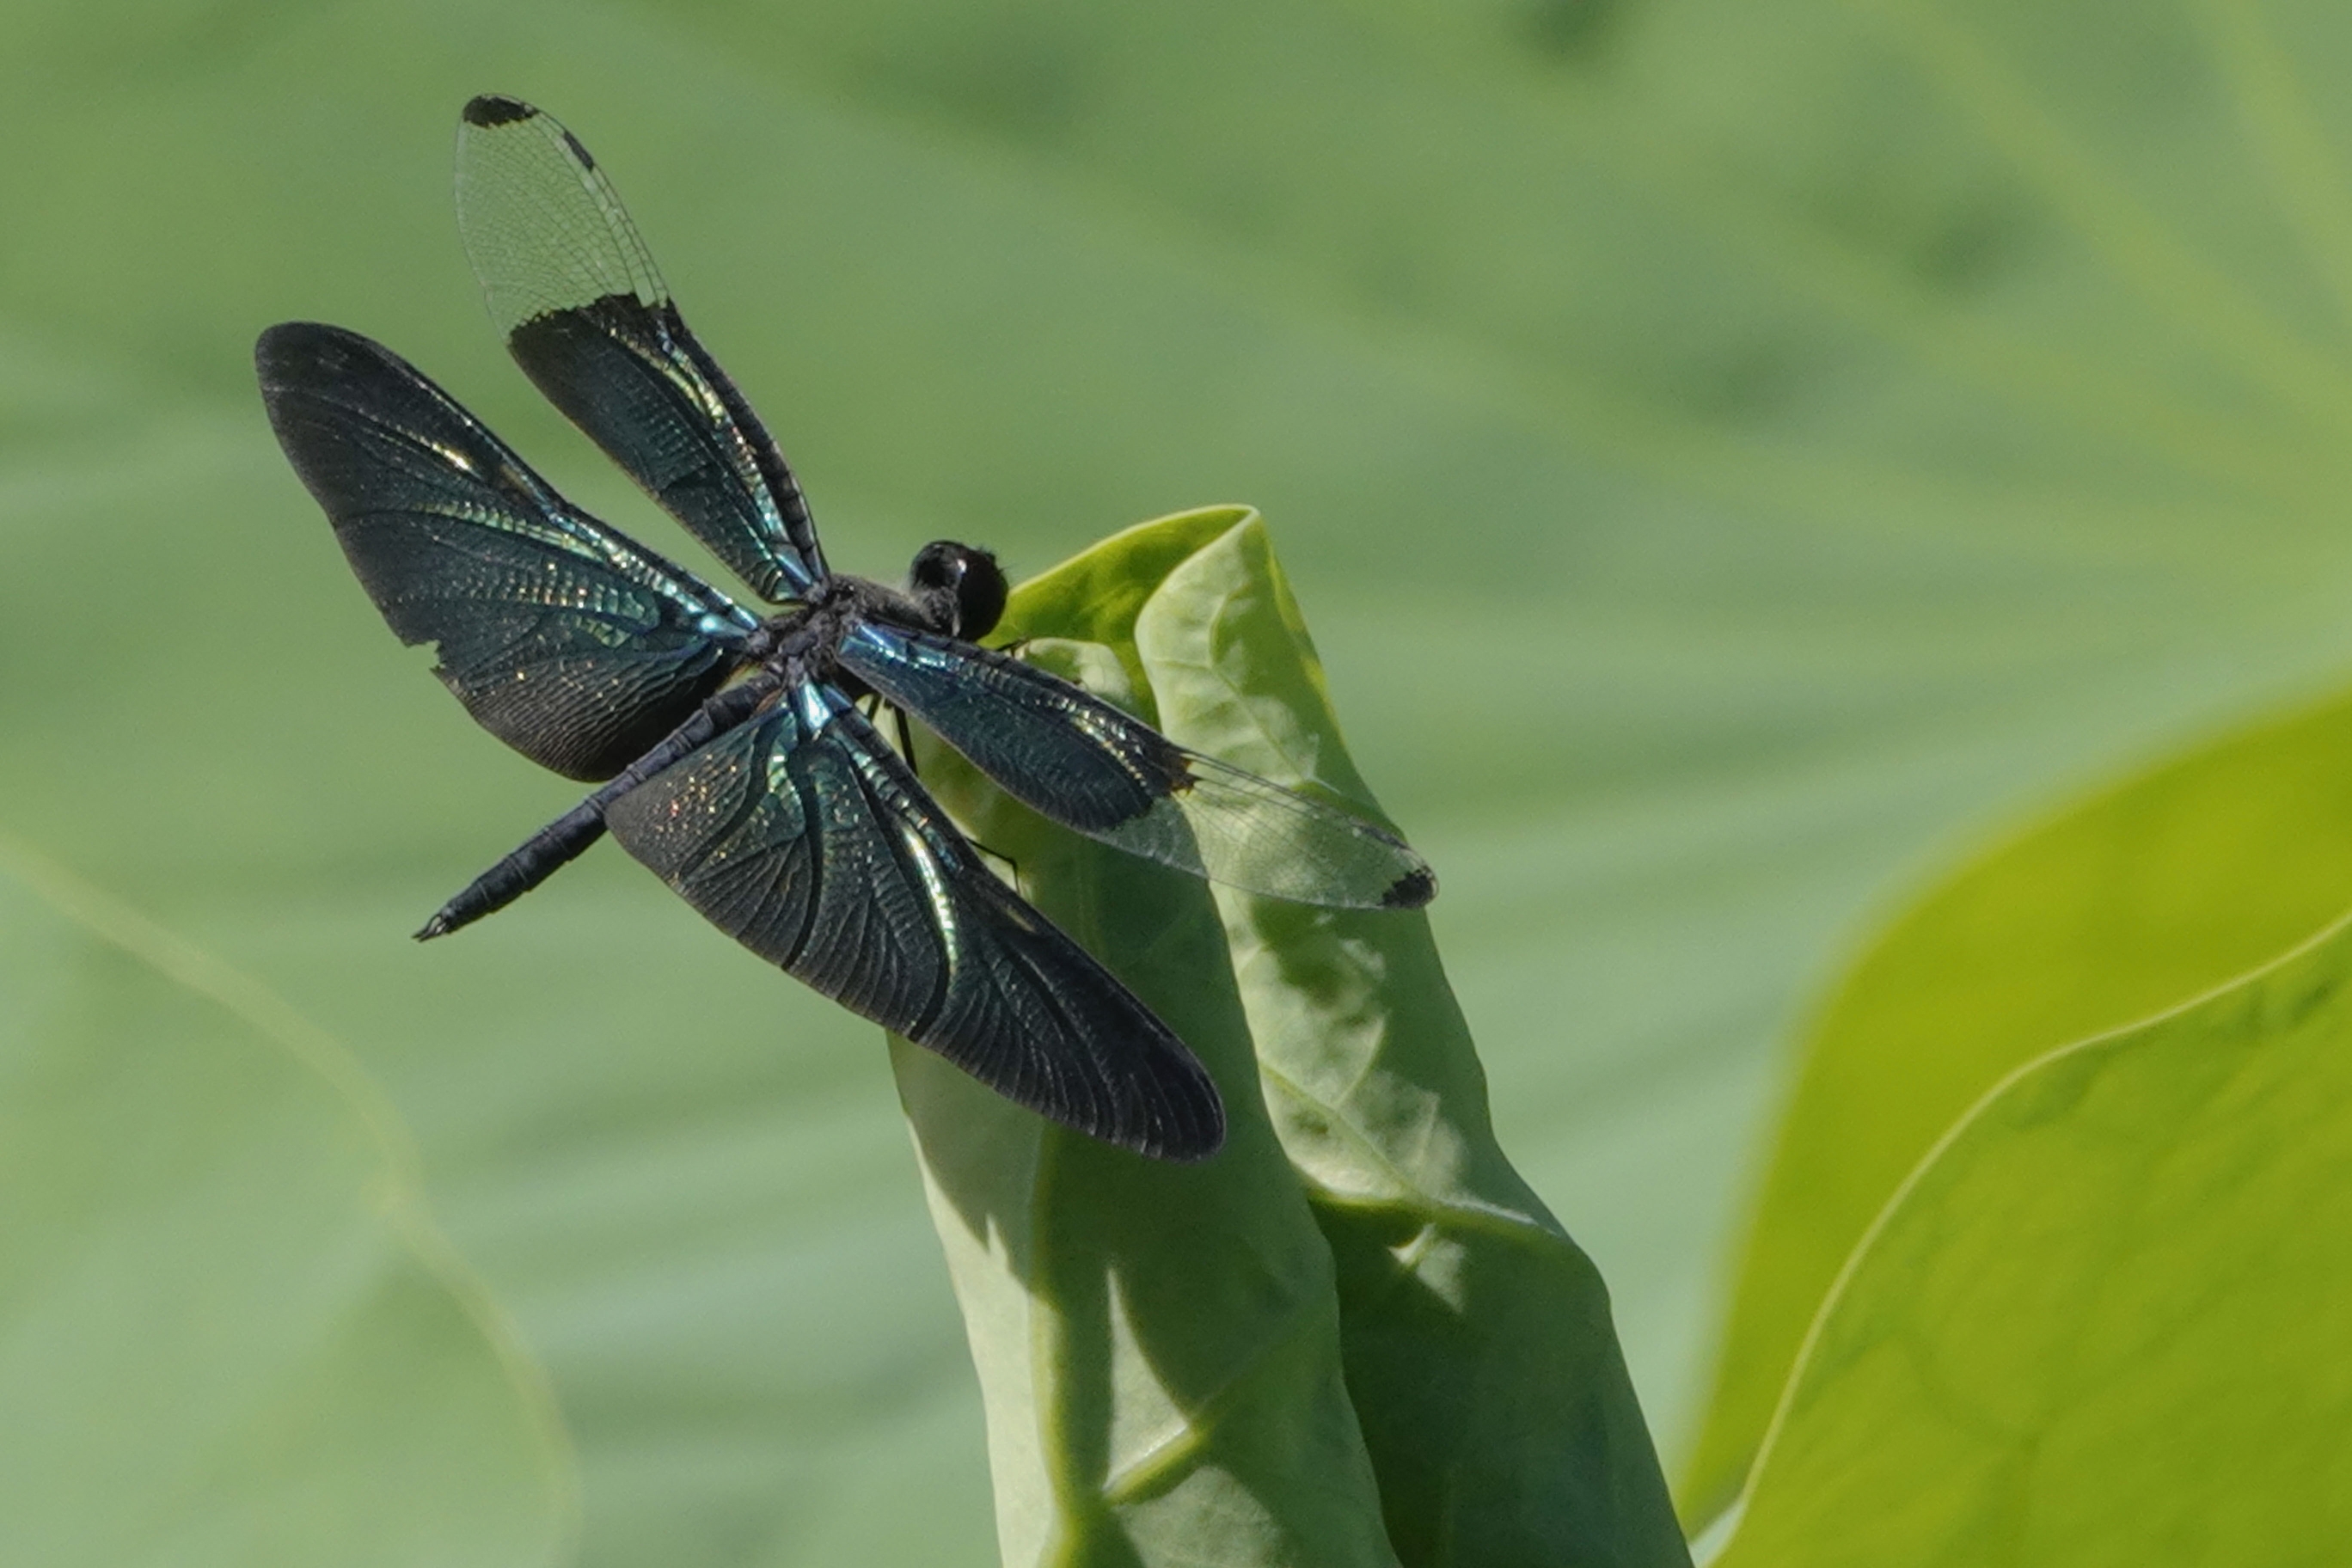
(494, 108)
(1412, 890)
(578, 151)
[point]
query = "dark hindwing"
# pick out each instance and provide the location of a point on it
(572, 643)
(1080, 762)
(805, 838)
(586, 315)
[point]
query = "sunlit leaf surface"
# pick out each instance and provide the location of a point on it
(1725, 451)
(2162, 887)
(2104, 1324)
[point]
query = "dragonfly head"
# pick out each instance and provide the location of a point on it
(962, 589)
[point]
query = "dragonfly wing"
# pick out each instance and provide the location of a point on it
(804, 836)
(586, 315)
(573, 643)
(1076, 759)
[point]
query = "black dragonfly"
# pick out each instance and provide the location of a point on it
(737, 757)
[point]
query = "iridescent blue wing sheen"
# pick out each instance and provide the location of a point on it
(586, 315)
(569, 641)
(1076, 759)
(804, 836)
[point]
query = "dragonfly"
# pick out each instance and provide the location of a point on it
(738, 753)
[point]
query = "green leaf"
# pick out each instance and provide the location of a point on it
(1122, 1314)
(1484, 1366)
(1157, 1345)
(2103, 1322)
(229, 1332)
(2163, 887)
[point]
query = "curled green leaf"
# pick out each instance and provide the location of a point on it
(1355, 1332)
(1485, 1368)
(1157, 1345)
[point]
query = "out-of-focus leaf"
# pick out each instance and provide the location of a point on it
(2103, 1323)
(229, 1333)
(1481, 1358)
(1159, 1345)
(2164, 887)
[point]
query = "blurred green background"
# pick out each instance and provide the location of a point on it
(1732, 458)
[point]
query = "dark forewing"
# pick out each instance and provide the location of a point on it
(588, 318)
(805, 838)
(1082, 763)
(574, 645)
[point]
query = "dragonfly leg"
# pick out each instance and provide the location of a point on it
(906, 740)
(1011, 871)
